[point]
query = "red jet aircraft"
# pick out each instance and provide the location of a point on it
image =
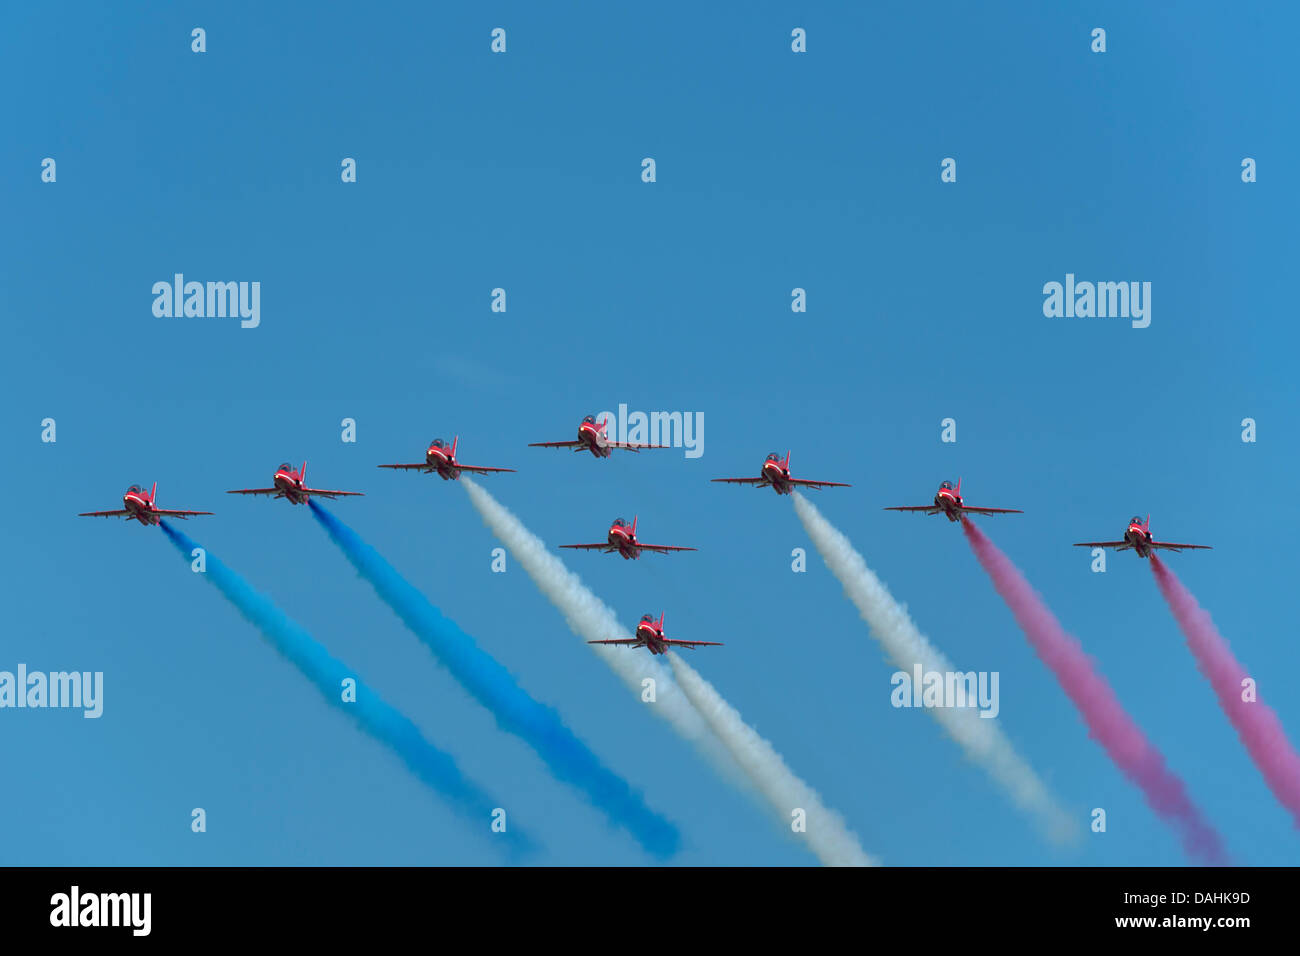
(440, 458)
(292, 485)
(776, 473)
(947, 501)
(622, 539)
(592, 437)
(140, 506)
(650, 635)
(1138, 537)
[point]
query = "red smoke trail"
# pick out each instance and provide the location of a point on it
(1108, 723)
(1256, 724)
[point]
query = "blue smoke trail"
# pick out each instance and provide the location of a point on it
(372, 714)
(495, 688)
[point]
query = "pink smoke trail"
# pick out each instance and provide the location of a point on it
(1108, 723)
(1256, 724)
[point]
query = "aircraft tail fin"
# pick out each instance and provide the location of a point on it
(302, 475)
(153, 495)
(958, 488)
(455, 438)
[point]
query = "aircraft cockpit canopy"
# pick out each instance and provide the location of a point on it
(135, 490)
(589, 420)
(620, 523)
(1137, 519)
(946, 485)
(647, 618)
(437, 443)
(285, 466)
(774, 456)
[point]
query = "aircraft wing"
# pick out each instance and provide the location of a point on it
(929, 509)
(254, 491)
(1178, 547)
(663, 548)
(101, 514)
(481, 469)
(992, 511)
(423, 464)
(743, 481)
(554, 444)
(606, 546)
(179, 514)
(818, 484)
(625, 640)
(691, 644)
(324, 493)
(1121, 545)
(631, 446)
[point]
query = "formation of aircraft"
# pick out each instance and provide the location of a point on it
(440, 458)
(621, 539)
(1137, 537)
(650, 635)
(292, 484)
(140, 505)
(947, 501)
(775, 474)
(592, 438)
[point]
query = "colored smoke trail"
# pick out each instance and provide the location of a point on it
(1257, 725)
(904, 645)
(827, 834)
(537, 724)
(1108, 723)
(592, 620)
(372, 714)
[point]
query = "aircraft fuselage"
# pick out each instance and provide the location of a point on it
(140, 508)
(1139, 540)
(621, 540)
(290, 487)
(593, 439)
(776, 476)
(442, 463)
(650, 639)
(950, 502)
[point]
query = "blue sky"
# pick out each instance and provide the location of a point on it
(522, 171)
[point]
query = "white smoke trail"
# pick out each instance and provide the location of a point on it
(826, 833)
(904, 645)
(590, 618)
(754, 765)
